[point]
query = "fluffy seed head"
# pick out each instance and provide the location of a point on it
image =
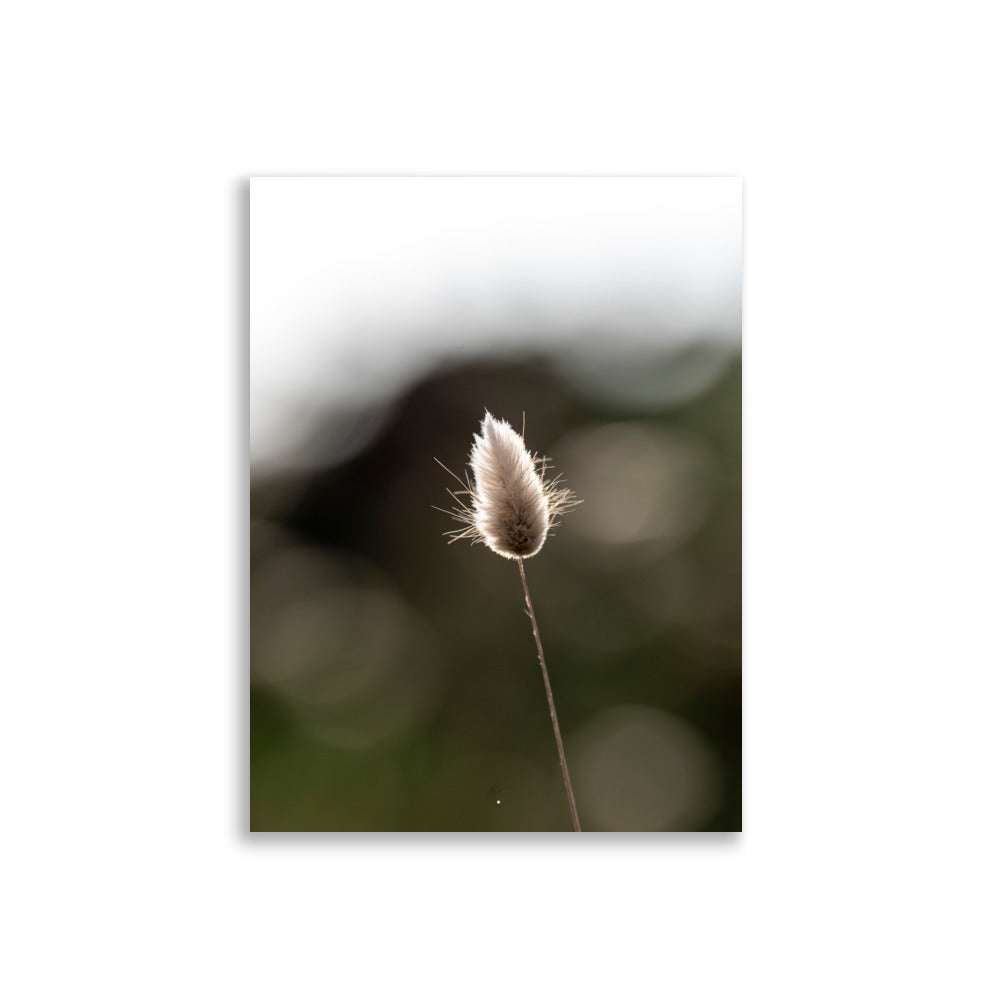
(512, 506)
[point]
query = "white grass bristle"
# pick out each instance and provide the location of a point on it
(512, 508)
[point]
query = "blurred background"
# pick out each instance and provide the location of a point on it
(394, 682)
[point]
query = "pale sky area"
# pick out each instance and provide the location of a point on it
(360, 284)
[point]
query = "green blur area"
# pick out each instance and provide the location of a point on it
(394, 681)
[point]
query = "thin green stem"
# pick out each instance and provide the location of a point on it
(552, 704)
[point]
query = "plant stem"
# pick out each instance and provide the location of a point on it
(552, 704)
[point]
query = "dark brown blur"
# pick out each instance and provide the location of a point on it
(394, 679)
